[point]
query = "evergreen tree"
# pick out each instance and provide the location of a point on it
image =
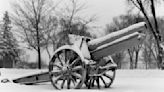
(9, 51)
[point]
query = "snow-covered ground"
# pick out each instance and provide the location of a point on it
(126, 81)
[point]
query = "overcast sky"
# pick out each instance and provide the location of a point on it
(105, 10)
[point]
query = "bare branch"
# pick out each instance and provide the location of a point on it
(135, 4)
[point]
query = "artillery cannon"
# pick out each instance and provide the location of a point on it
(87, 61)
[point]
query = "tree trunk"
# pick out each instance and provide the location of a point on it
(136, 60)
(39, 58)
(131, 58)
(49, 55)
(159, 55)
(38, 45)
(131, 63)
(146, 65)
(157, 36)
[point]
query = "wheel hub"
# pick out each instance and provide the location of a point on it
(66, 70)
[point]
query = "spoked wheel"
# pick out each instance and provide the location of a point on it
(103, 77)
(67, 70)
(104, 81)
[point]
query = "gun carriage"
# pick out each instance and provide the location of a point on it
(87, 61)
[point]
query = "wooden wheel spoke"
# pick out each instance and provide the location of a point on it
(93, 81)
(90, 83)
(65, 55)
(68, 83)
(108, 76)
(98, 83)
(56, 72)
(66, 59)
(69, 55)
(77, 68)
(76, 75)
(73, 80)
(74, 61)
(58, 66)
(61, 61)
(62, 85)
(55, 79)
(103, 81)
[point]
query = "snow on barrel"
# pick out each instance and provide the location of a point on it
(93, 44)
(117, 41)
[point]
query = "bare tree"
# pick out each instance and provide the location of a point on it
(71, 22)
(36, 23)
(149, 55)
(131, 55)
(148, 7)
(134, 55)
(137, 50)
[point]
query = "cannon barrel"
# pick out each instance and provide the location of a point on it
(93, 44)
(117, 41)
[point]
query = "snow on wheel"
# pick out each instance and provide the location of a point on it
(67, 69)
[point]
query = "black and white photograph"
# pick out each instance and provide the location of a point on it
(81, 45)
